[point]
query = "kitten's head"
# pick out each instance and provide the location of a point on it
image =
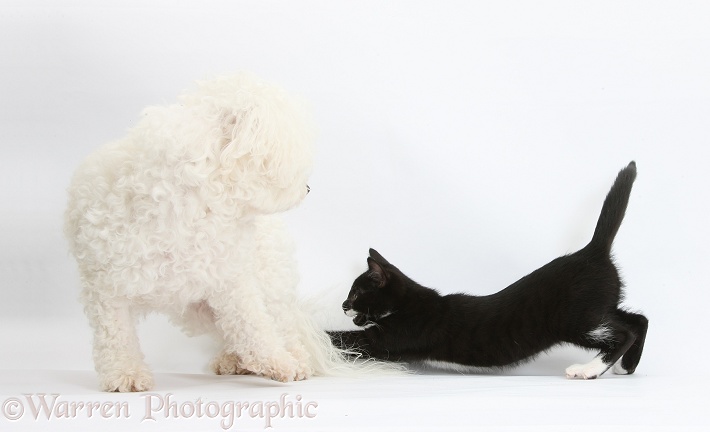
(376, 293)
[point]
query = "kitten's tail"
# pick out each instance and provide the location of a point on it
(614, 209)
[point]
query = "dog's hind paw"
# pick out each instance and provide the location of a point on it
(137, 380)
(281, 374)
(299, 373)
(228, 364)
(282, 370)
(303, 373)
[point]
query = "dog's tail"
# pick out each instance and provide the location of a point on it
(613, 209)
(328, 360)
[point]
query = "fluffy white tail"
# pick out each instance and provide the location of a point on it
(328, 360)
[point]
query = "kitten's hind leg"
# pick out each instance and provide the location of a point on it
(612, 338)
(638, 325)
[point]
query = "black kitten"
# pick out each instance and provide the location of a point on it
(573, 299)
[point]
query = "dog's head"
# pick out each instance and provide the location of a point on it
(265, 141)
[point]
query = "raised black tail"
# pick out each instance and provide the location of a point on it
(614, 209)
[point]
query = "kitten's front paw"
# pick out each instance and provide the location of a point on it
(360, 320)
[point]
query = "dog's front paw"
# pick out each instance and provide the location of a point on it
(131, 380)
(228, 364)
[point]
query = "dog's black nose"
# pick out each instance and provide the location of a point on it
(308, 189)
(347, 305)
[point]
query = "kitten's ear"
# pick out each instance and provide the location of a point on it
(377, 257)
(376, 273)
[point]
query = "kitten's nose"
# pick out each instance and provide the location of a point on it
(347, 305)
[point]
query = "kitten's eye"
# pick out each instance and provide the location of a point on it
(368, 288)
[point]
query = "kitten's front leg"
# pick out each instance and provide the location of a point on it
(355, 341)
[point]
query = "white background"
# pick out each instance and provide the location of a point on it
(469, 142)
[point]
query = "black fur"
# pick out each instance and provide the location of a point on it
(561, 302)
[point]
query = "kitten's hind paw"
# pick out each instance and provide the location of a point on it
(577, 371)
(587, 371)
(619, 370)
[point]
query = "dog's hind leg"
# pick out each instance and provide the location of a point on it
(199, 318)
(117, 355)
(196, 319)
(250, 336)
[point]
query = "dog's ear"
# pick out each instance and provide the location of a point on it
(377, 273)
(228, 125)
(237, 138)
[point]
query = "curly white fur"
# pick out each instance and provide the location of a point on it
(178, 217)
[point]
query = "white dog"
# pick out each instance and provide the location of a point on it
(178, 217)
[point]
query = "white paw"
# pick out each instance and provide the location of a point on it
(228, 364)
(132, 380)
(619, 370)
(587, 371)
(278, 369)
(283, 371)
(579, 371)
(303, 372)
